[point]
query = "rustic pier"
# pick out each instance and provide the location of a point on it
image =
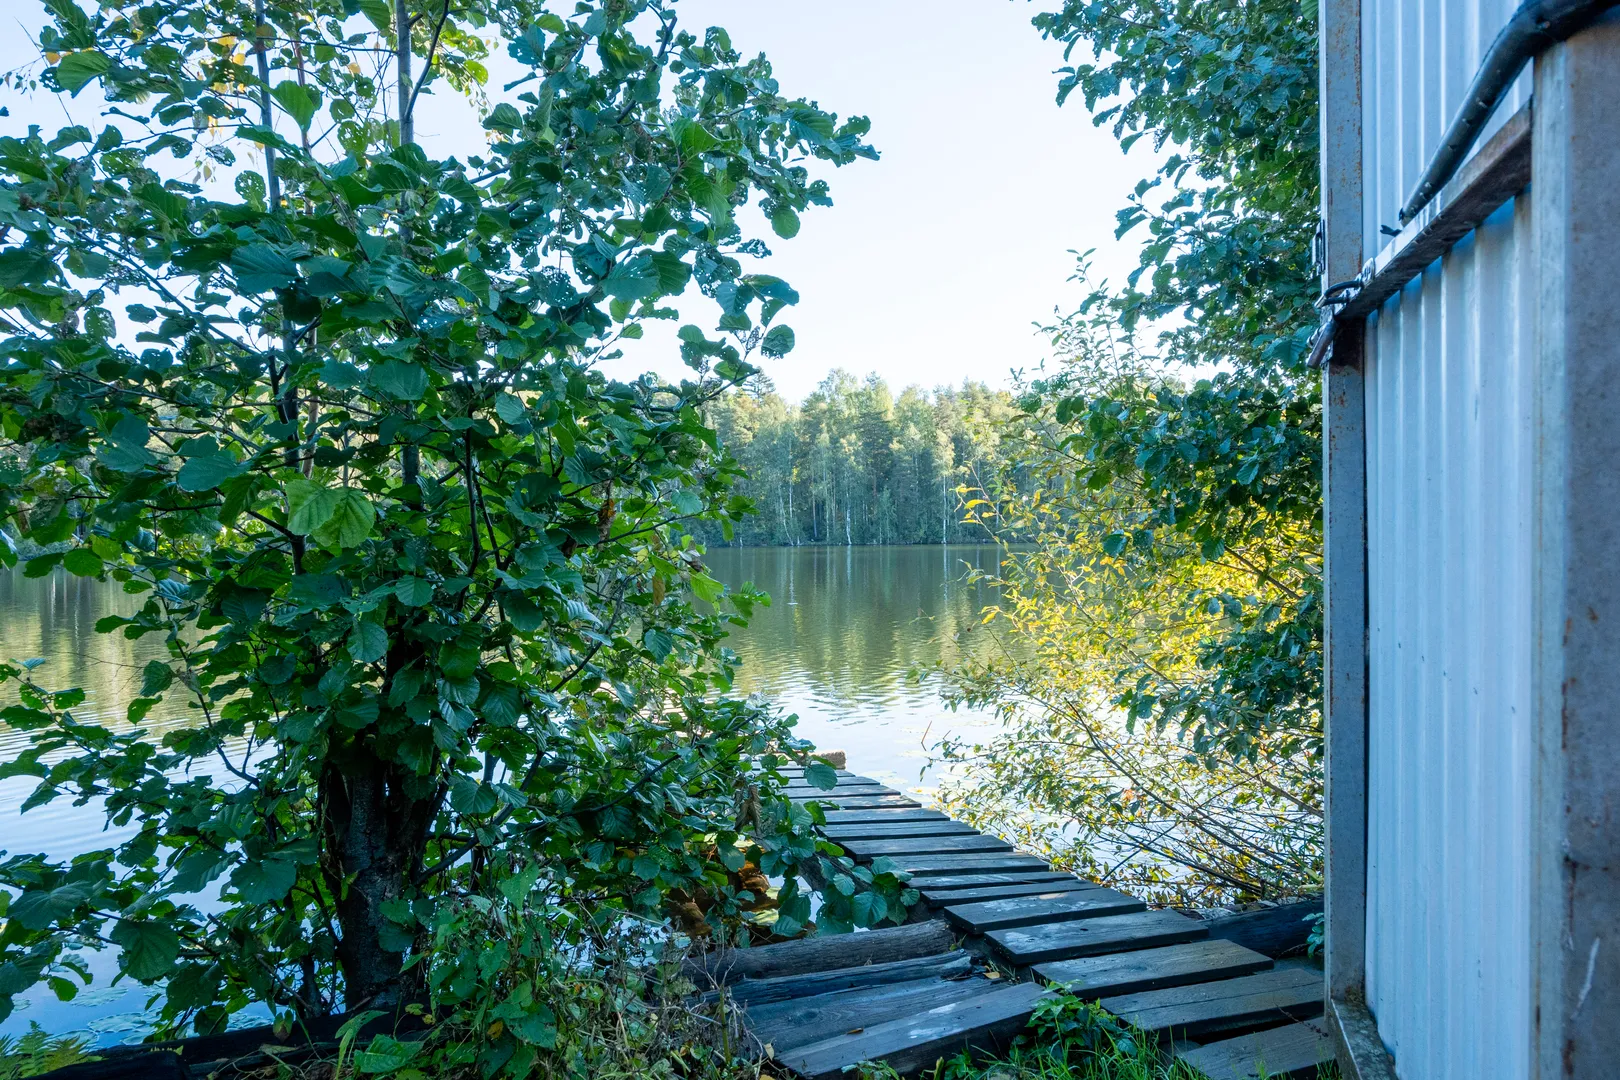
(993, 931)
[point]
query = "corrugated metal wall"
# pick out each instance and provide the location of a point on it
(1448, 535)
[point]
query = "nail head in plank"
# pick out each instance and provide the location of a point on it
(897, 830)
(787, 1025)
(967, 863)
(1088, 937)
(937, 966)
(977, 893)
(1041, 908)
(982, 1022)
(867, 850)
(1153, 969)
(1292, 1052)
(1201, 1009)
(879, 814)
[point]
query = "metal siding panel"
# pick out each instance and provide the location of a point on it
(1448, 493)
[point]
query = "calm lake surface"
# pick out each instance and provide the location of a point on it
(846, 644)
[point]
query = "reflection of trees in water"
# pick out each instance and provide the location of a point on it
(54, 617)
(855, 620)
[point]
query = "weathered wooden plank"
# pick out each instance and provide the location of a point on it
(973, 862)
(867, 850)
(1203, 1009)
(849, 792)
(1088, 937)
(877, 814)
(844, 779)
(983, 1022)
(821, 953)
(975, 893)
(1041, 908)
(1291, 1052)
(861, 802)
(787, 1025)
(1153, 969)
(1277, 932)
(897, 830)
(937, 966)
(942, 882)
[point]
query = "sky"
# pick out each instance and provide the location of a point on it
(936, 263)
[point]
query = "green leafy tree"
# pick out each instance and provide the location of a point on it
(1172, 592)
(423, 573)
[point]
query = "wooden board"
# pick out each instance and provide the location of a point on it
(879, 814)
(821, 953)
(867, 850)
(786, 1025)
(1203, 1009)
(983, 1022)
(1152, 969)
(861, 802)
(843, 778)
(897, 830)
(975, 893)
(973, 862)
(854, 791)
(1051, 907)
(1089, 937)
(1004, 877)
(1294, 1052)
(1277, 932)
(939, 966)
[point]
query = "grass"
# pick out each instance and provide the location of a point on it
(1068, 1040)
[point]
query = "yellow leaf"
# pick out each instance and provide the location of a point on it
(53, 57)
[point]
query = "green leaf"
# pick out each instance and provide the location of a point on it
(1114, 544)
(400, 379)
(380, 13)
(298, 102)
(351, 521)
(310, 506)
(25, 266)
(707, 588)
(821, 775)
(82, 562)
(155, 678)
(386, 1054)
(39, 909)
(149, 948)
(260, 268)
(658, 643)
(208, 470)
(414, 591)
(785, 222)
(265, 881)
(76, 70)
(368, 643)
(468, 796)
(778, 343)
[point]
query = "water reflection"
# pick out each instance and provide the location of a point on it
(846, 627)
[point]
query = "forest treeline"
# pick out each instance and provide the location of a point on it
(854, 463)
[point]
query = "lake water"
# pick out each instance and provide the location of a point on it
(846, 644)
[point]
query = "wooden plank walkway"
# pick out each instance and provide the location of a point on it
(993, 929)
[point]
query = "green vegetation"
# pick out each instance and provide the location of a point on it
(854, 464)
(38, 1052)
(1172, 593)
(425, 577)
(1067, 1039)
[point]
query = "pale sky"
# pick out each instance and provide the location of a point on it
(935, 263)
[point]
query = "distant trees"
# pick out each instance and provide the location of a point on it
(855, 464)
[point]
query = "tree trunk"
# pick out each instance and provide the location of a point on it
(375, 817)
